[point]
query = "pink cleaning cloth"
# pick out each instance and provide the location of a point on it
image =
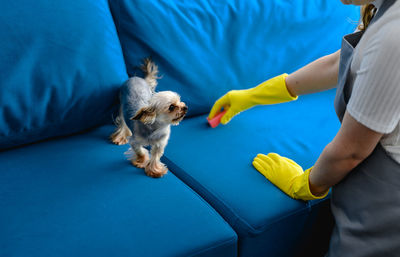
(216, 120)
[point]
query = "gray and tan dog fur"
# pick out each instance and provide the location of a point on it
(145, 118)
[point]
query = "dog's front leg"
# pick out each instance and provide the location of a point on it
(155, 168)
(141, 157)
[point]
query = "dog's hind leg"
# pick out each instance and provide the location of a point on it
(121, 134)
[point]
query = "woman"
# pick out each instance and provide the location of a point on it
(362, 163)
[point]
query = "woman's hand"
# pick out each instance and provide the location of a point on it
(353, 144)
(271, 91)
(287, 175)
(314, 77)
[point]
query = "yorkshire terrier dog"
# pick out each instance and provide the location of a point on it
(145, 118)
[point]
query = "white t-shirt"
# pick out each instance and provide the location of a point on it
(375, 72)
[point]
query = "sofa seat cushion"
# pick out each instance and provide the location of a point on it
(217, 163)
(205, 47)
(61, 68)
(79, 196)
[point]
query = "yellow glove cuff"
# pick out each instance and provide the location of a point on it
(272, 91)
(301, 187)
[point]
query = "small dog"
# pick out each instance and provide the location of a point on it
(145, 117)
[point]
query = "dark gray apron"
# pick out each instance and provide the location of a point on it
(366, 203)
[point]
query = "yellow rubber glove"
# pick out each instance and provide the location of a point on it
(272, 91)
(286, 175)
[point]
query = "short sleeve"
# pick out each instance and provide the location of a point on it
(375, 99)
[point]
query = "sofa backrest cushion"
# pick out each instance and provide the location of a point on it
(206, 47)
(61, 68)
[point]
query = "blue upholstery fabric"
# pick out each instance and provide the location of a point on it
(61, 66)
(216, 163)
(79, 196)
(205, 48)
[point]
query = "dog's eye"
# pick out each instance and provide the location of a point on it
(171, 107)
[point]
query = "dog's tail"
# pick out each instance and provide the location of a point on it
(150, 70)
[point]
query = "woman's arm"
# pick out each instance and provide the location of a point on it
(317, 76)
(353, 143)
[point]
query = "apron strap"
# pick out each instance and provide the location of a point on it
(384, 7)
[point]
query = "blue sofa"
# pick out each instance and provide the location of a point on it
(65, 190)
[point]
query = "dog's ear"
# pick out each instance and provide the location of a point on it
(147, 115)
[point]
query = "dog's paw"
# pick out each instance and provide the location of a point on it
(155, 170)
(141, 161)
(119, 139)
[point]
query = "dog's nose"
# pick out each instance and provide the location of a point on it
(184, 108)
